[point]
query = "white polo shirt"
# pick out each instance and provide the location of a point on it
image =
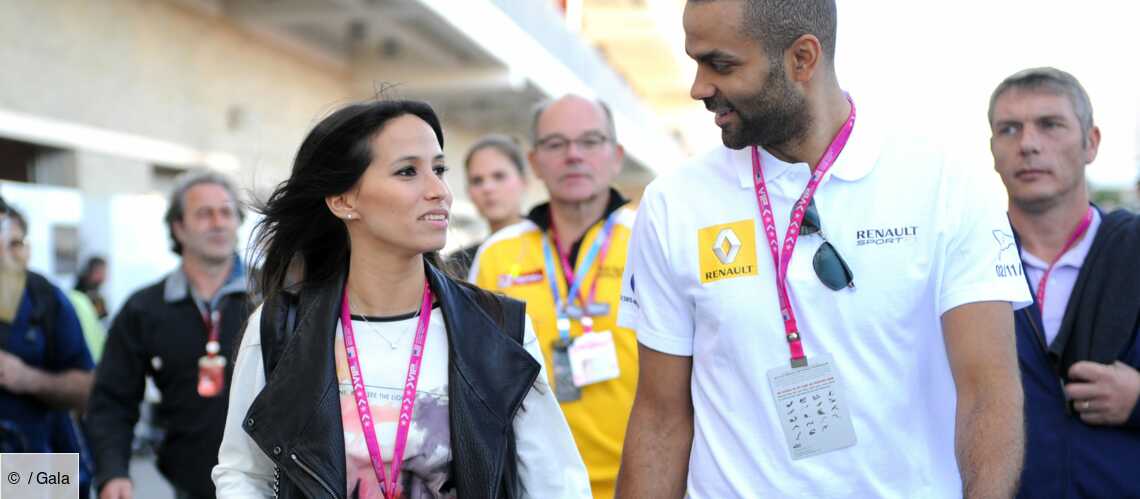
(921, 236)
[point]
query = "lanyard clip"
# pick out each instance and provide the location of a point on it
(563, 326)
(797, 350)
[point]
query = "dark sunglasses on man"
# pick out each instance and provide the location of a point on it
(832, 271)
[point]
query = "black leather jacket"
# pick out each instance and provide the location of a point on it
(296, 418)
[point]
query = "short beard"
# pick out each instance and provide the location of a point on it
(773, 118)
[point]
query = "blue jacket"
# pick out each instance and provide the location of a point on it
(46, 335)
(1066, 458)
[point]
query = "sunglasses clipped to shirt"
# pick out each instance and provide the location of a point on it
(832, 271)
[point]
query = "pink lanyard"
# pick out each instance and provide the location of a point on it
(1077, 233)
(781, 261)
(389, 487)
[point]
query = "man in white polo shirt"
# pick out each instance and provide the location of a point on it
(866, 352)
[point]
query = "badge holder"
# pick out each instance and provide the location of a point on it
(812, 408)
(593, 356)
(564, 388)
(211, 372)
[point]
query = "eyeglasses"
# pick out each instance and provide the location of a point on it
(557, 144)
(828, 265)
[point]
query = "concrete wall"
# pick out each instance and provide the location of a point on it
(161, 71)
(119, 85)
(152, 72)
(158, 71)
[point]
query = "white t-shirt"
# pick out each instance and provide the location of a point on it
(385, 344)
(921, 236)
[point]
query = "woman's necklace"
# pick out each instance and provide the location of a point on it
(392, 345)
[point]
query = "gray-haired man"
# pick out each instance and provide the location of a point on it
(1078, 345)
(180, 331)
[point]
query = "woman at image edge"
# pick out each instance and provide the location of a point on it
(364, 212)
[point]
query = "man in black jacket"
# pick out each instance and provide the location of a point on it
(180, 331)
(1077, 347)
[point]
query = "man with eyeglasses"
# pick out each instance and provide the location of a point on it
(566, 261)
(823, 304)
(1078, 345)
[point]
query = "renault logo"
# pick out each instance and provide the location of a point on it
(727, 251)
(726, 246)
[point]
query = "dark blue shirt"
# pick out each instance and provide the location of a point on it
(28, 415)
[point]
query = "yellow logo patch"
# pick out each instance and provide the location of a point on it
(727, 251)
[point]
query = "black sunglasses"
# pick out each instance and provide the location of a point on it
(828, 265)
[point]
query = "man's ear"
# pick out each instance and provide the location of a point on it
(805, 58)
(619, 155)
(1092, 144)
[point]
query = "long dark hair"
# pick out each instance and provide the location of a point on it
(297, 223)
(300, 240)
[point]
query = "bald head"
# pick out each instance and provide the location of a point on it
(572, 101)
(574, 152)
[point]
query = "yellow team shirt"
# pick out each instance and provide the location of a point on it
(512, 262)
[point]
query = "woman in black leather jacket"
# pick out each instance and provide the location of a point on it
(369, 372)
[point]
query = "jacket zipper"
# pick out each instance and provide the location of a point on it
(276, 481)
(309, 470)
